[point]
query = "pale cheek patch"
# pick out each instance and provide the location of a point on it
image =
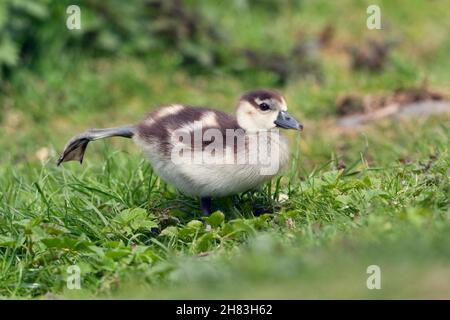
(251, 120)
(266, 121)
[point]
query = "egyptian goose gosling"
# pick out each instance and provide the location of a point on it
(205, 152)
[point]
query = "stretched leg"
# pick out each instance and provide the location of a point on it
(205, 204)
(75, 148)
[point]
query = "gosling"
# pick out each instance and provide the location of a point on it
(205, 152)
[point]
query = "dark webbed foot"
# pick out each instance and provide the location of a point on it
(205, 205)
(76, 147)
(74, 150)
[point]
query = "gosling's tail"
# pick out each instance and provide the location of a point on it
(75, 148)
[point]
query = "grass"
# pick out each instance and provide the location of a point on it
(135, 237)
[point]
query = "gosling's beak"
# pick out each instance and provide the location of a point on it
(286, 121)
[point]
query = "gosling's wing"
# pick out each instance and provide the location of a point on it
(76, 147)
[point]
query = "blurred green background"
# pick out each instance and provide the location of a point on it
(356, 196)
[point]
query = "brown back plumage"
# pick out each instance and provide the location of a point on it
(154, 128)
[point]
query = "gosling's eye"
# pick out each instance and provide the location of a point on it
(264, 106)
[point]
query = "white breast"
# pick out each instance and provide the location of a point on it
(220, 178)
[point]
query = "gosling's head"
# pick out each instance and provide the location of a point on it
(264, 110)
